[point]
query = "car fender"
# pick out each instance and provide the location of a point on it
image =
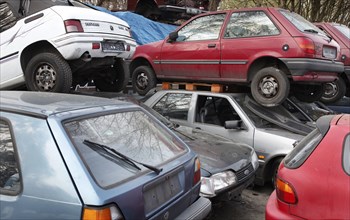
(148, 52)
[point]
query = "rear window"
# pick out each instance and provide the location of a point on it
(303, 150)
(346, 155)
(133, 134)
(301, 23)
(344, 30)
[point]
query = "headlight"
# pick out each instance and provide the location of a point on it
(219, 181)
(255, 161)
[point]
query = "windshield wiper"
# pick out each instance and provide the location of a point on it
(122, 156)
(311, 31)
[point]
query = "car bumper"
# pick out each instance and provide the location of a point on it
(198, 210)
(276, 210)
(73, 46)
(313, 69)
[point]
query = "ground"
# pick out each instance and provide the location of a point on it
(251, 205)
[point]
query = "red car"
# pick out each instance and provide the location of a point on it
(270, 49)
(336, 90)
(313, 181)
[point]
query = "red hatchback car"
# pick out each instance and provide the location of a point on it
(270, 49)
(336, 90)
(313, 181)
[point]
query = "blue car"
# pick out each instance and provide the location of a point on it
(77, 157)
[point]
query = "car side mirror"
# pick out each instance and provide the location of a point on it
(173, 36)
(234, 124)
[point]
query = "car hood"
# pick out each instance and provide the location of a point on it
(216, 153)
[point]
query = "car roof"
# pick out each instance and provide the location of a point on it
(46, 103)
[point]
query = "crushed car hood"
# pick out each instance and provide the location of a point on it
(216, 153)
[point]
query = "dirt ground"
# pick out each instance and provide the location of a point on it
(251, 205)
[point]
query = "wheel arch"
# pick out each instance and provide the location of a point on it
(140, 61)
(269, 165)
(266, 61)
(33, 49)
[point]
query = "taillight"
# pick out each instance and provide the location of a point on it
(197, 172)
(102, 213)
(285, 192)
(73, 26)
(306, 44)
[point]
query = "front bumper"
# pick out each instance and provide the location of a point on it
(313, 69)
(198, 210)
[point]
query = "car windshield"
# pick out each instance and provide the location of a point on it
(301, 23)
(343, 29)
(133, 134)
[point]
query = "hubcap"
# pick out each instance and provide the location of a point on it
(330, 90)
(268, 86)
(142, 81)
(45, 77)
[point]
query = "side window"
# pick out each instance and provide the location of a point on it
(203, 28)
(7, 18)
(250, 24)
(174, 105)
(9, 172)
(214, 110)
(346, 154)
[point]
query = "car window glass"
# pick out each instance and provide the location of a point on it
(301, 23)
(9, 170)
(250, 24)
(346, 155)
(133, 134)
(214, 110)
(203, 28)
(7, 18)
(344, 30)
(174, 105)
(303, 150)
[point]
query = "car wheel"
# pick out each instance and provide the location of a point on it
(113, 79)
(308, 93)
(333, 91)
(270, 86)
(48, 72)
(274, 171)
(143, 80)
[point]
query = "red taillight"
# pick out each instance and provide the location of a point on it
(96, 46)
(285, 192)
(197, 172)
(73, 26)
(306, 44)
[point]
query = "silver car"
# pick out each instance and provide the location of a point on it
(77, 157)
(271, 131)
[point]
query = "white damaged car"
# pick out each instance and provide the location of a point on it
(55, 45)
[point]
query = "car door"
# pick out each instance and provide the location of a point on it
(195, 54)
(211, 113)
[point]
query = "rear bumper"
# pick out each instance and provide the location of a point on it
(198, 210)
(276, 210)
(322, 70)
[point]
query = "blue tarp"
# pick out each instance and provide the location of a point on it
(143, 30)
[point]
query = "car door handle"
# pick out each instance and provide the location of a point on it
(198, 128)
(211, 45)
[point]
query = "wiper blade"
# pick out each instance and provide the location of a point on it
(311, 31)
(124, 157)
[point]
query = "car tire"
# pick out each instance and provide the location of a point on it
(48, 72)
(270, 86)
(274, 170)
(333, 91)
(113, 79)
(143, 79)
(308, 93)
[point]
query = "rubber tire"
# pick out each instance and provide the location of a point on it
(308, 93)
(340, 93)
(282, 82)
(59, 65)
(117, 81)
(149, 74)
(274, 170)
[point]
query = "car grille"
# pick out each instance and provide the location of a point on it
(245, 172)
